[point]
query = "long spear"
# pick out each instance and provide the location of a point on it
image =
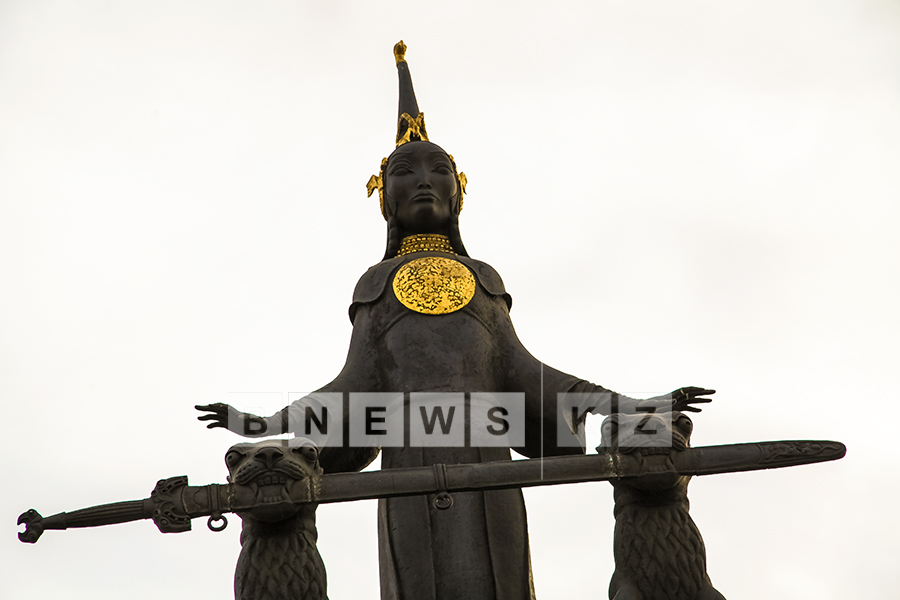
(173, 503)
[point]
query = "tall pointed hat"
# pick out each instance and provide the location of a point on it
(410, 127)
(410, 122)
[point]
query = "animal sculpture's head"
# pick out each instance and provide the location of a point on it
(644, 434)
(270, 469)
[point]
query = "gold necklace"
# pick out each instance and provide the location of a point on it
(425, 242)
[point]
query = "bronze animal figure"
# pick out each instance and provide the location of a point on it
(657, 547)
(279, 559)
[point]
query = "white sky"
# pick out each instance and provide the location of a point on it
(690, 193)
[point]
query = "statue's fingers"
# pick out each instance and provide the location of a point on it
(209, 417)
(682, 394)
(214, 425)
(694, 409)
(699, 400)
(696, 391)
(211, 407)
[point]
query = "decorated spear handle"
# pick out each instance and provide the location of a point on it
(160, 507)
(107, 514)
(171, 506)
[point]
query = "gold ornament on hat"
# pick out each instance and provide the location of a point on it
(415, 127)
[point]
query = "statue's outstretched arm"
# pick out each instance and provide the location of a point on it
(557, 403)
(358, 375)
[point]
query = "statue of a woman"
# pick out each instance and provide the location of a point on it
(428, 318)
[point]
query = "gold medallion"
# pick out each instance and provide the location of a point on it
(434, 285)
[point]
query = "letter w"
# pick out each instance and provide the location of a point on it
(438, 413)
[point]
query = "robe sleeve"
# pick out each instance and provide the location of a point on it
(360, 373)
(556, 403)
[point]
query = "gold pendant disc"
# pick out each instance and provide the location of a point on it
(434, 285)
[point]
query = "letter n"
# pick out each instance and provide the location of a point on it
(321, 425)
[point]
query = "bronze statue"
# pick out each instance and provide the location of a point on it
(428, 318)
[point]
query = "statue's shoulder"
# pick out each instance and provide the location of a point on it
(373, 282)
(488, 277)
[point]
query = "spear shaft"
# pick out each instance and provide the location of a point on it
(174, 503)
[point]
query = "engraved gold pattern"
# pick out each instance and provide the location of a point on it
(434, 285)
(425, 242)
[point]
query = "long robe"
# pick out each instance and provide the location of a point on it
(477, 549)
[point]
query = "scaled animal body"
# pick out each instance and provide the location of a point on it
(279, 559)
(657, 547)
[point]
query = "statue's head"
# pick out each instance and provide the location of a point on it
(419, 187)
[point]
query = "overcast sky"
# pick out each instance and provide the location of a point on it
(675, 193)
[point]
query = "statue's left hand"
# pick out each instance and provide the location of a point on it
(683, 398)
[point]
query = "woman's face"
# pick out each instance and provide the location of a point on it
(420, 184)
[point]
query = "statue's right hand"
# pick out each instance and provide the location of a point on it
(220, 415)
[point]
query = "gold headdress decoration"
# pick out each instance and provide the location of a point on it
(409, 128)
(414, 127)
